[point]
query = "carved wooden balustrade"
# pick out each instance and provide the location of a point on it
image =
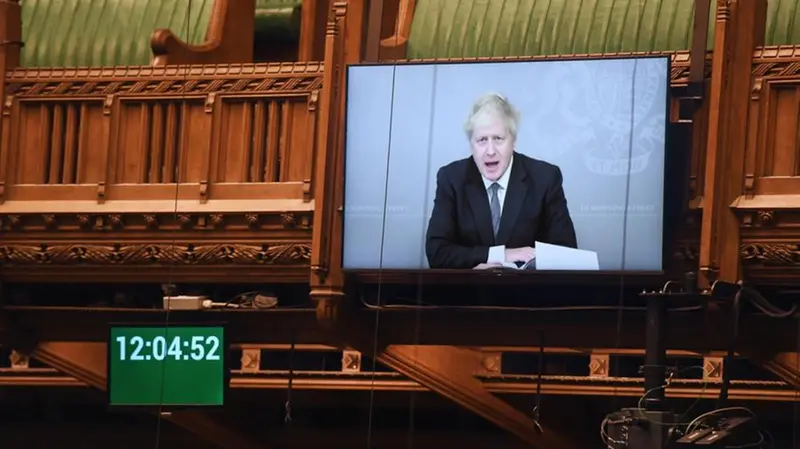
(120, 172)
(769, 209)
(769, 243)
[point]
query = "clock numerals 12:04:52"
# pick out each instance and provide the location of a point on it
(159, 348)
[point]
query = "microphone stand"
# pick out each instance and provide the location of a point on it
(649, 427)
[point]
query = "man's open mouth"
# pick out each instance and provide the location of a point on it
(492, 164)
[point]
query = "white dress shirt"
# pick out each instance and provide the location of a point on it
(497, 254)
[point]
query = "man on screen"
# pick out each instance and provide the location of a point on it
(493, 207)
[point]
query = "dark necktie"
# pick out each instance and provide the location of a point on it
(494, 205)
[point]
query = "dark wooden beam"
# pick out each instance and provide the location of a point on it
(87, 362)
(564, 328)
(325, 388)
(448, 371)
(785, 365)
(697, 61)
(373, 36)
(91, 324)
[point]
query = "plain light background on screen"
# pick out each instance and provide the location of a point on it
(405, 122)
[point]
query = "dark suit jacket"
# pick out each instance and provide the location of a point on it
(460, 229)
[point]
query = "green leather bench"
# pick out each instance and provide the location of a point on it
(79, 33)
(783, 22)
(484, 28)
(70, 33)
(478, 28)
(277, 20)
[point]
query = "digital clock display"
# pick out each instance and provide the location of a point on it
(167, 365)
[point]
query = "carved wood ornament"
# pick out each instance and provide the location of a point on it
(155, 254)
(181, 80)
(771, 254)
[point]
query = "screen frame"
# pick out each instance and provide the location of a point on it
(226, 375)
(671, 183)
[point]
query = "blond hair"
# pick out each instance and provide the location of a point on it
(495, 104)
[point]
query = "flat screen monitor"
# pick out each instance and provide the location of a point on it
(152, 365)
(541, 164)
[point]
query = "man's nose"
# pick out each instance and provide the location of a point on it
(490, 149)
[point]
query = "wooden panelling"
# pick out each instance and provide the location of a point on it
(269, 141)
(773, 144)
(226, 126)
(772, 165)
(101, 157)
(768, 209)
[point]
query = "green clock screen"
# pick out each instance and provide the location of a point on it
(167, 366)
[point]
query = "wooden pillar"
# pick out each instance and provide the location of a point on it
(10, 44)
(313, 17)
(354, 33)
(10, 36)
(740, 28)
(372, 37)
(327, 281)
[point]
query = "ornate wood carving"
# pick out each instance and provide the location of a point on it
(212, 246)
(686, 252)
(298, 222)
(181, 80)
(776, 61)
(599, 365)
(771, 254)
(713, 368)
(155, 254)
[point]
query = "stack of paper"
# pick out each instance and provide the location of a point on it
(561, 258)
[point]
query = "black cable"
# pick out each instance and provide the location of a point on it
(621, 301)
(761, 303)
(420, 288)
(287, 407)
(5, 324)
(537, 409)
(796, 405)
(729, 357)
(373, 306)
(412, 403)
(380, 264)
(174, 244)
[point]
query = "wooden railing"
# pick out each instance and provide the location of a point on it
(211, 171)
(135, 133)
(195, 167)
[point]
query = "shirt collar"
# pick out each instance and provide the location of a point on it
(503, 181)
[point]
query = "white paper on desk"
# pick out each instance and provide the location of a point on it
(555, 257)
